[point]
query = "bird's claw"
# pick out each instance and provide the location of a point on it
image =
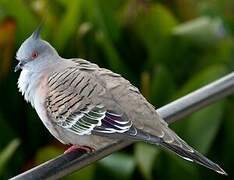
(85, 149)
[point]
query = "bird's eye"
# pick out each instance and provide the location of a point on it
(34, 54)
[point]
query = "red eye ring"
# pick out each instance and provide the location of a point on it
(34, 54)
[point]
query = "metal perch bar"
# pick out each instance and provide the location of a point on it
(68, 163)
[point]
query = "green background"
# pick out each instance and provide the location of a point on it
(166, 48)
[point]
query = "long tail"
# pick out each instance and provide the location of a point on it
(194, 156)
(169, 141)
(176, 145)
(181, 148)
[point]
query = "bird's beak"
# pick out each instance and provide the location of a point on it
(19, 65)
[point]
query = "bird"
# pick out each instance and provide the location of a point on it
(88, 107)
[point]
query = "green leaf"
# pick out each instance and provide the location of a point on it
(227, 144)
(172, 166)
(119, 165)
(103, 15)
(162, 86)
(47, 153)
(7, 153)
(145, 84)
(111, 53)
(154, 24)
(68, 25)
(107, 31)
(106, 17)
(202, 78)
(24, 17)
(201, 127)
(221, 53)
(87, 173)
(201, 30)
(145, 155)
(6, 130)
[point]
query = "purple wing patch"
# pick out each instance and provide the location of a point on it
(113, 123)
(95, 119)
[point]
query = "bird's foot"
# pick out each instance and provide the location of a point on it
(85, 149)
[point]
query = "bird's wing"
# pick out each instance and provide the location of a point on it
(72, 104)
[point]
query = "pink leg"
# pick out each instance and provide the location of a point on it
(79, 148)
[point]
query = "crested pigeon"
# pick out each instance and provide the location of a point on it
(83, 104)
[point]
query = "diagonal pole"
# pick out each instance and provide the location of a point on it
(182, 107)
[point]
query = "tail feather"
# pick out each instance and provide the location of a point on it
(194, 157)
(169, 141)
(174, 143)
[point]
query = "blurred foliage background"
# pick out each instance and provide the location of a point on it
(166, 48)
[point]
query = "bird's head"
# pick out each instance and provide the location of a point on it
(34, 50)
